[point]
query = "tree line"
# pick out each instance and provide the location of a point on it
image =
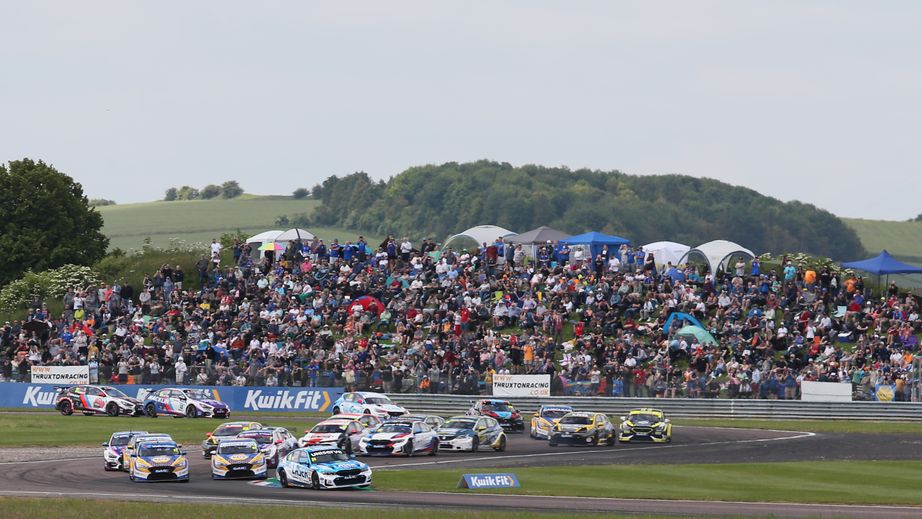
(227, 190)
(439, 200)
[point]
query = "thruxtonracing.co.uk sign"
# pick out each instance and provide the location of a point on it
(521, 385)
(60, 374)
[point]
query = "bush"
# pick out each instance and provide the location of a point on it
(300, 193)
(43, 285)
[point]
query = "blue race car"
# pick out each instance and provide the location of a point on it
(322, 467)
(469, 433)
(238, 458)
(112, 454)
(159, 461)
(191, 403)
(504, 413)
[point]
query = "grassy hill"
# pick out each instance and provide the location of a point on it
(902, 239)
(193, 221)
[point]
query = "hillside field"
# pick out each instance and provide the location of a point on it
(198, 221)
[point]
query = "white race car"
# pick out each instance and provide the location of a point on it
(365, 402)
(396, 438)
(344, 434)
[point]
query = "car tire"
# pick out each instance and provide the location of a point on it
(502, 444)
(408, 448)
(315, 481)
(475, 444)
(283, 479)
(551, 442)
(112, 409)
(595, 439)
(435, 448)
(190, 411)
(151, 410)
(532, 433)
(336, 410)
(66, 407)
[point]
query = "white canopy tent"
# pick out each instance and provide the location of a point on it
(261, 239)
(717, 253)
(294, 234)
(666, 252)
(480, 234)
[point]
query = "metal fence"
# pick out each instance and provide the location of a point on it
(684, 408)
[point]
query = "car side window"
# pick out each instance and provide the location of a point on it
(348, 397)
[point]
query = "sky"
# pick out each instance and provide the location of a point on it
(800, 100)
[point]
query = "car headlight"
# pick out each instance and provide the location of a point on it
(140, 462)
(401, 441)
(126, 405)
(181, 462)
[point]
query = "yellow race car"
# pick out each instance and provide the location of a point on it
(225, 430)
(582, 429)
(544, 420)
(645, 424)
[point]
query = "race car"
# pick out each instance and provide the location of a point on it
(322, 467)
(369, 421)
(112, 454)
(544, 420)
(469, 433)
(395, 438)
(364, 402)
(645, 424)
(274, 443)
(507, 416)
(238, 458)
(344, 434)
(96, 400)
(225, 430)
(130, 447)
(159, 461)
(191, 403)
(431, 420)
(582, 429)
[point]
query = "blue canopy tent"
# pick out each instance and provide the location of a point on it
(595, 241)
(680, 316)
(883, 264)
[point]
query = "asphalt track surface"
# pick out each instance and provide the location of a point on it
(84, 477)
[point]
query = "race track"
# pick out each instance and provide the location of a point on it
(85, 477)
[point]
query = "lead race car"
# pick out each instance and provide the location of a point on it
(191, 403)
(645, 424)
(396, 438)
(238, 458)
(322, 467)
(583, 429)
(159, 461)
(92, 400)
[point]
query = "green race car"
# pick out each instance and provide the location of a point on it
(645, 424)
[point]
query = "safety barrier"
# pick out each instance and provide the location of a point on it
(684, 408)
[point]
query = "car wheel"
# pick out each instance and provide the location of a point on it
(190, 411)
(315, 481)
(435, 448)
(502, 444)
(336, 410)
(475, 444)
(112, 409)
(151, 410)
(66, 407)
(408, 448)
(595, 439)
(551, 442)
(368, 411)
(283, 479)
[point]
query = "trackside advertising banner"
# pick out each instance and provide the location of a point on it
(239, 399)
(521, 385)
(61, 375)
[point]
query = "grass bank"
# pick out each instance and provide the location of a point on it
(840, 482)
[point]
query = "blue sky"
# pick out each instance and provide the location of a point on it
(815, 101)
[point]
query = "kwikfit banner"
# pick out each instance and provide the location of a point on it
(239, 399)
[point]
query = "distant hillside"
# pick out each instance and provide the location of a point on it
(127, 225)
(440, 200)
(902, 239)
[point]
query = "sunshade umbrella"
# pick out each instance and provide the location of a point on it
(675, 274)
(370, 304)
(36, 325)
(699, 333)
(274, 246)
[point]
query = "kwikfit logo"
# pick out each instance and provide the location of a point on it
(35, 397)
(491, 481)
(257, 401)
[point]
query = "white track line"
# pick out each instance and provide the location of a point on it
(795, 435)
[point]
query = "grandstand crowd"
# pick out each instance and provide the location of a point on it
(405, 317)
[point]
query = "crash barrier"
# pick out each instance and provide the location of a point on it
(684, 408)
(247, 398)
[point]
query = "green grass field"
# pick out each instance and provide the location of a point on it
(54, 430)
(841, 482)
(198, 221)
(902, 239)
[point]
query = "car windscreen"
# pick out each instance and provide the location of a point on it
(497, 406)
(458, 424)
(198, 394)
(228, 430)
(158, 450)
(119, 441)
(239, 448)
(328, 428)
(261, 439)
(576, 420)
(328, 455)
(652, 418)
(115, 393)
(394, 428)
(377, 400)
(553, 414)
